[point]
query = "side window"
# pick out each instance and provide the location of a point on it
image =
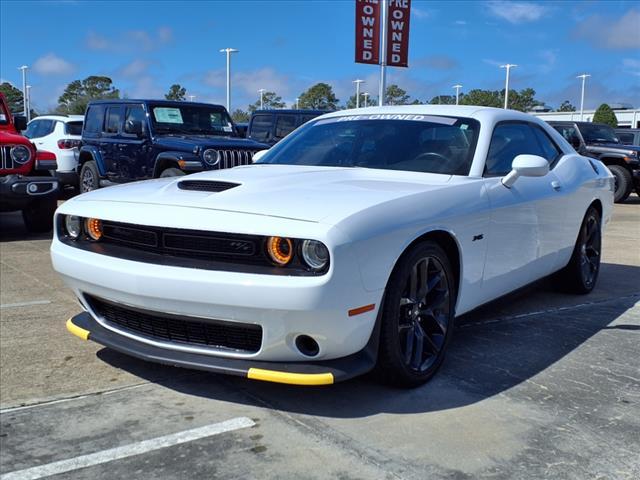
(625, 138)
(112, 123)
(32, 129)
(551, 151)
(507, 142)
(135, 121)
(94, 120)
(261, 127)
(569, 133)
(46, 128)
(285, 124)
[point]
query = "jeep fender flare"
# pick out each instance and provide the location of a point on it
(88, 153)
(182, 160)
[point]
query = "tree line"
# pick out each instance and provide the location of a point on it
(320, 96)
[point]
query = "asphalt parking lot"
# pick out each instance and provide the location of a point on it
(536, 385)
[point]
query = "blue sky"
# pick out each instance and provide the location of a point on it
(289, 46)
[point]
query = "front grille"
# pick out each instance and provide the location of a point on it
(233, 158)
(6, 162)
(217, 334)
(206, 185)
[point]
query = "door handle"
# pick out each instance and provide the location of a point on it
(557, 186)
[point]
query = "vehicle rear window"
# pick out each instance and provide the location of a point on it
(285, 125)
(73, 128)
(261, 127)
(626, 138)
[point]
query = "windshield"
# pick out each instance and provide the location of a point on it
(416, 143)
(191, 120)
(598, 134)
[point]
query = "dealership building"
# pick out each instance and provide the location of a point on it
(627, 117)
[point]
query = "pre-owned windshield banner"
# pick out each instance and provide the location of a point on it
(367, 31)
(398, 33)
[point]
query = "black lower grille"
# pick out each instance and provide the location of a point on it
(185, 330)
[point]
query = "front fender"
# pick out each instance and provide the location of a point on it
(186, 161)
(96, 156)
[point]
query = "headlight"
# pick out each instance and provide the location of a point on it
(211, 157)
(315, 254)
(280, 250)
(20, 154)
(73, 225)
(93, 227)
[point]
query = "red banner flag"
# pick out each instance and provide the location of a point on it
(367, 31)
(398, 33)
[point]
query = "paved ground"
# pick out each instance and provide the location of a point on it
(538, 385)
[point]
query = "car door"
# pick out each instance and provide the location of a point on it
(134, 146)
(110, 139)
(526, 219)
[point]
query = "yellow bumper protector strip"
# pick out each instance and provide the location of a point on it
(77, 331)
(290, 378)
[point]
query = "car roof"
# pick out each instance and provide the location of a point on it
(292, 111)
(155, 102)
(61, 117)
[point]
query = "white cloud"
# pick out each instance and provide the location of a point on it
(251, 81)
(611, 33)
(420, 13)
(549, 59)
(131, 39)
(96, 41)
(493, 63)
(51, 64)
(516, 12)
(135, 68)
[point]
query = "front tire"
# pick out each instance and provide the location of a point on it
(38, 215)
(418, 316)
(89, 177)
(171, 172)
(581, 274)
(624, 183)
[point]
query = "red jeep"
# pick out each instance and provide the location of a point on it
(25, 182)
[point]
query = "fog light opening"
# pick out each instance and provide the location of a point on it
(307, 345)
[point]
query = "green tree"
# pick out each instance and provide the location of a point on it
(566, 106)
(240, 116)
(176, 92)
(394, 95)
(79, 93)
(319, 97)
(351, 103)
(605, 115)
(13, 96)
(444, 100)
(483, 98)
(269, 100)
(524, 100)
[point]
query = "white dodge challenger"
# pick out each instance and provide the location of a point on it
(352, 244)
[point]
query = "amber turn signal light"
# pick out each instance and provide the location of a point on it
(280, 250)
(93, 227)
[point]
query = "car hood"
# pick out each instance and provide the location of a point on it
(615, 146)
(315, 194)
(16, 138)
(186, 143)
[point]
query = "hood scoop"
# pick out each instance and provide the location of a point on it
(206, 185)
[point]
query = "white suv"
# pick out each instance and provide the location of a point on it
(60, 134)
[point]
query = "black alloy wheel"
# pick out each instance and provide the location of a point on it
(89, 177)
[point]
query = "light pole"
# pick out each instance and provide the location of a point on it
(28, 103)
(382, 87)
(365, 95)
(191, 97)
(508, 66)
(228, 51)
(358, 82)
(24, 69)
(261, 92)
(297, 103)
(584, 78)
(457, 87)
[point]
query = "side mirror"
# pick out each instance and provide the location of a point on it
(20, 122)
(133, 127)
(526, 166)
(258, 155)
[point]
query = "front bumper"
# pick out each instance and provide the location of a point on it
(86, 327)
(17, 191)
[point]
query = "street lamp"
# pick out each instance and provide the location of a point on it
(28, 103)
(297, 103)
(358, 82)
(24, 69)
(191, 97)
(261, 92)
(228, 51)
(457, 87)
(365, 95)
(584, 78)
(508, 66)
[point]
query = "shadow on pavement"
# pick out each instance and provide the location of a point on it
(12, 229)
(485, 359)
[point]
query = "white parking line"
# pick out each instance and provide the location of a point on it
(130, 450)
(25, 304)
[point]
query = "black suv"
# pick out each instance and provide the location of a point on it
(271, 126)
(599, 141)
(125, 140)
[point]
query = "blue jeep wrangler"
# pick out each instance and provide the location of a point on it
(125, 140)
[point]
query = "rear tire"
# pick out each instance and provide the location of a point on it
(38, 215)
(417, 317)
(171, 172)
(581, 274)
(624, 183)
(89, 177)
